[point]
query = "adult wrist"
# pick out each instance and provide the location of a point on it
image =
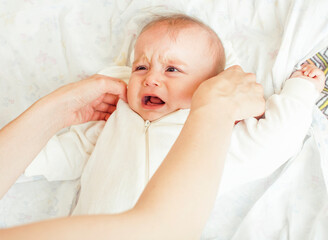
(219, 109)
(49, 111)
(214, 114)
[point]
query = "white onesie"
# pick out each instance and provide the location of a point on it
(130, 149)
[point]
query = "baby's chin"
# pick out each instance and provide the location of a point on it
(148, 114)
(151, 115)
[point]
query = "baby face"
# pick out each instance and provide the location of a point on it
(167, 70)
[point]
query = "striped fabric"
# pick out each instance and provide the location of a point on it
(321, 61)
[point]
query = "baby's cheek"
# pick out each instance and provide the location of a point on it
(185, 103)
(182, 95)
(132, 100)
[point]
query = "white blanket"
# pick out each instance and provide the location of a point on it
(290, 204)
(45, 44)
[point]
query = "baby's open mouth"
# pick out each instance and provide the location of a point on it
(152, 100)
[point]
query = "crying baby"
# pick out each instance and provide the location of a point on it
(173, 55)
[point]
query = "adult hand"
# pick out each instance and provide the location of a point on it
(94, 98)
(91, 99)
(234, 92)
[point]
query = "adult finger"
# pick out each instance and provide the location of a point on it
(112, 86)
(110, 99)
(98, 116)
(104, 107)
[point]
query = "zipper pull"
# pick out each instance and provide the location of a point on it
(147, 124)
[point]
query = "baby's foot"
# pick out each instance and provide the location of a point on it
(313, 74)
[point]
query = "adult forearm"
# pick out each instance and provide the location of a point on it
(185, 184)
(22, 139)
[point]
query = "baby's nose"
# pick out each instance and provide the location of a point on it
(152, 81)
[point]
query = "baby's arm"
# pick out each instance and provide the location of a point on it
(64, 156)
(259, 147)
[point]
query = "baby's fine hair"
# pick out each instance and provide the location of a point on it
(176, 22)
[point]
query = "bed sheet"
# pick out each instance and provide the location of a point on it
(46, 44)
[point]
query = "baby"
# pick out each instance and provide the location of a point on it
(173, 55)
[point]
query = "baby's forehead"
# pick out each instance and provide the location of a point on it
(162, 33)
(201, 36)
(173, 30)
(164, 42)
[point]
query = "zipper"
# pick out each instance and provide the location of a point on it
(147, 160)
(147, 124)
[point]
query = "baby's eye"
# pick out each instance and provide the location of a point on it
(138, 68)
(172, 69)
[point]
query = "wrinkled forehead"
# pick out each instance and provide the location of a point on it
(167, 40)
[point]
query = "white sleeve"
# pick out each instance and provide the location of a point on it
(64, 156)
(259, 147)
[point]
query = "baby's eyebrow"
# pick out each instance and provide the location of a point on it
(165, 61)
(168, 59)
(142, 58)
(175, 62)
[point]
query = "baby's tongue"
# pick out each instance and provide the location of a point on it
(155, 100)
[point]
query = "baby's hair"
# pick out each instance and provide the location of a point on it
(176, 22)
